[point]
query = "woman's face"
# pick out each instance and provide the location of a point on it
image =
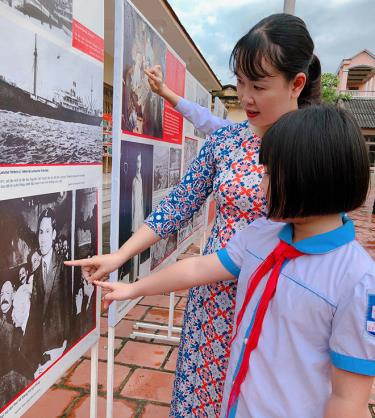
(267, 99)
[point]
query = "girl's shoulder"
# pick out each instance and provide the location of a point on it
(360, 260)
(260, 233)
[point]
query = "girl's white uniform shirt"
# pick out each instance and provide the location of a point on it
(323, 313)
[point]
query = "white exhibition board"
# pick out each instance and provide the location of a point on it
(219, 109)
(152, 144)
(51, 95)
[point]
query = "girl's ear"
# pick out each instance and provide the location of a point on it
(298, 83)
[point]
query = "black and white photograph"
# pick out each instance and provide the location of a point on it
(36, 288)
(161, 167)
(142, 111)
(136, 174)
(50, 101)
(185, 232)
(203, 98)
(54, 16)
(86, 245)
(190, 152)
(190, 87)
(162, 249)
(198, 217)
(174, 166)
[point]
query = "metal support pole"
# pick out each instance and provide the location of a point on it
(289, 6)
(110, 370)
(94, 380)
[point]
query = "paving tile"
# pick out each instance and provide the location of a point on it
(160, 316)
(121, 408)
(161, 301)
(155, 411)
(103, 348)
(52, 404)
(142, 354)
(171, 363)
(372, 396)
(81, 375)
(182, 293)
(152, 385)
(172, 343)
(137, 312)
(124, 328)
(365, 223)
(181, 304)
(103, 326)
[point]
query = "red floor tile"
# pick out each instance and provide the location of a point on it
(124, 328)
(137, 312)
(103, 348)
(103, 325)
(155, 411)
(161, 301)
(160, 316)
(52, 404)
(121, 408)
(181, 304)
(81, 375)
(182, 293)
(171, 363)
(142, 354)
(152, 385)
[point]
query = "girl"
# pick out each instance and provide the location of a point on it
(305, 306)
(277, 72)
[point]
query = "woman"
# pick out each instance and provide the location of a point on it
(277, 72)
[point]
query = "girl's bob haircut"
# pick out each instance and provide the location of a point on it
(317, 161)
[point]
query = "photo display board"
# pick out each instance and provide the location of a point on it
(219, 109)
(51, 95)
(153, 148)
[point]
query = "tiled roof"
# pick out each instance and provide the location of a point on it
(363, 110)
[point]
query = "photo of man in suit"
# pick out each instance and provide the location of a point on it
(51, 299)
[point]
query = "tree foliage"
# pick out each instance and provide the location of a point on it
(330, 93)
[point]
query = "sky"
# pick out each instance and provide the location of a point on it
(339, 28)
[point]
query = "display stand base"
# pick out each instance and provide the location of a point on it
(169, 328)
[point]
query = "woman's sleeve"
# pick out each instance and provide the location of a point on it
(201, 117)
(175, 210)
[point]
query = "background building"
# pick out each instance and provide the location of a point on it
(357, 77)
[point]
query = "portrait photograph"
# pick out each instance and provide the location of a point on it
(142, 110)
(136, 175)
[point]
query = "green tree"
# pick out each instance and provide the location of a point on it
(330, 94)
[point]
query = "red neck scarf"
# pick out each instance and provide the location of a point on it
(274, 261)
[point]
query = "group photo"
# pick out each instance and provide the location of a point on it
(45, 306)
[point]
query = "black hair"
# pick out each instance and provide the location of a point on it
(317, 161)
(48, 213)
(283, 41)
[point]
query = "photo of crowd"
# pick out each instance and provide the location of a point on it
(39, 320)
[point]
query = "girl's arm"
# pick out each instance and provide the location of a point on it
(199, 116)
(350, 395)
(187, 273)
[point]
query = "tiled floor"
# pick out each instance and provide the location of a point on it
(144, 370)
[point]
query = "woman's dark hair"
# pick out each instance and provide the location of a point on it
(283, 41)
(317, 162)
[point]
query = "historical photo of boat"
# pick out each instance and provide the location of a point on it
(50, 101)
(52, 14)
